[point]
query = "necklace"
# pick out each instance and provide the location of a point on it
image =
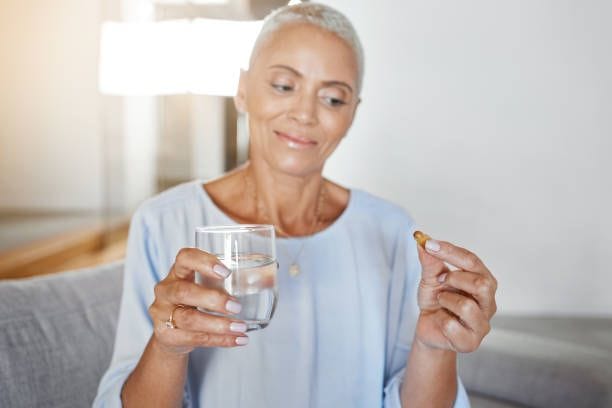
(260, 209)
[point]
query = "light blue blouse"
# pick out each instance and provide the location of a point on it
(342, 329)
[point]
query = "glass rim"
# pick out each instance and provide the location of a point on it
(236, 228)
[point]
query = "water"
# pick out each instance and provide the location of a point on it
(253, 283)
(257, 308)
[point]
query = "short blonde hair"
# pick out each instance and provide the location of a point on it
(320, 15)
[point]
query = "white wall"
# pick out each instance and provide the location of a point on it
(490, 122)
(50, 138)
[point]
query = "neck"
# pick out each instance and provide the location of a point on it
(294, 204)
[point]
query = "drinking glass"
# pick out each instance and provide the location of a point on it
(249, 252)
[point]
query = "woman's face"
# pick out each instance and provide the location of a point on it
(300, 96)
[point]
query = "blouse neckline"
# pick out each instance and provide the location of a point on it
(317, 235)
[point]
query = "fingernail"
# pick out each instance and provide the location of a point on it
(442, 277)
(233, 307)
(432, 245)
(238, 327)
(221, 270)
(241, 341)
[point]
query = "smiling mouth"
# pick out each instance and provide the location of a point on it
(295, 141)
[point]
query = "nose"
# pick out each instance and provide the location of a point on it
(304, 110)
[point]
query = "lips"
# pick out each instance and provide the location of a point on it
(295, 141)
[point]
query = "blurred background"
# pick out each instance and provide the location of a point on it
(489, 121)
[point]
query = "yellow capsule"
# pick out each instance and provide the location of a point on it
(420, 238)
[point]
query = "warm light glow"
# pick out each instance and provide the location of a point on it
(219, 49)
(212, 2)
(202, 56)
(143, 58)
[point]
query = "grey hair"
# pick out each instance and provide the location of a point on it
(320, 15)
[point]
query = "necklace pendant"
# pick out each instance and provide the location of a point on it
(294, 270)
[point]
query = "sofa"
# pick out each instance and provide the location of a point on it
(57, 331)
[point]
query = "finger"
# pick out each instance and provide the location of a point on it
(454, 255)
(179, 338)
(189, 260)
(467, 310)
(431, 267)
(193, 320)
(182, 292)
(459, 337)
(481, 287)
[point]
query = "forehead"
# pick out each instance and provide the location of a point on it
(310, 50)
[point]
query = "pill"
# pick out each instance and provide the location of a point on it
(420, 238)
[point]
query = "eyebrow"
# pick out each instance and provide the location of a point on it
(299, 74)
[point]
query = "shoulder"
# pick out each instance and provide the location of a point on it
(389, 215)
(166, 221)
(375, 221)
(179, 198)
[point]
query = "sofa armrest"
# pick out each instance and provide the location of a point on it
(545, 369)
(56, 336)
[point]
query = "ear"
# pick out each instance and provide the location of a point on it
(240, 97)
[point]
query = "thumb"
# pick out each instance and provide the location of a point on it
(431, 266)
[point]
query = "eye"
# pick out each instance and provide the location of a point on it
(282, 88)
(331, 101)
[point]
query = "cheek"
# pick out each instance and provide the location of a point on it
(262, 105)
(335, 126)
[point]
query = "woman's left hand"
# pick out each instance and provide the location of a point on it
(456, 305)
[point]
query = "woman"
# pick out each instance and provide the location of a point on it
(348, 331)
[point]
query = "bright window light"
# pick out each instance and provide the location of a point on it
(219, 50)
(215, 2)
(143, 58)
(202, 56)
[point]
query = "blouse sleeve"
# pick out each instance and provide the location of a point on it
(134, 326)
(403, 315)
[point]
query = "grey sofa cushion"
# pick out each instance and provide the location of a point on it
(56, 336)
(539, 370)
(482, 401)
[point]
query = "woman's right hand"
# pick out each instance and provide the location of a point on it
(193, 328)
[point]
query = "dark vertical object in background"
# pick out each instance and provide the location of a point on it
(231, 135)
